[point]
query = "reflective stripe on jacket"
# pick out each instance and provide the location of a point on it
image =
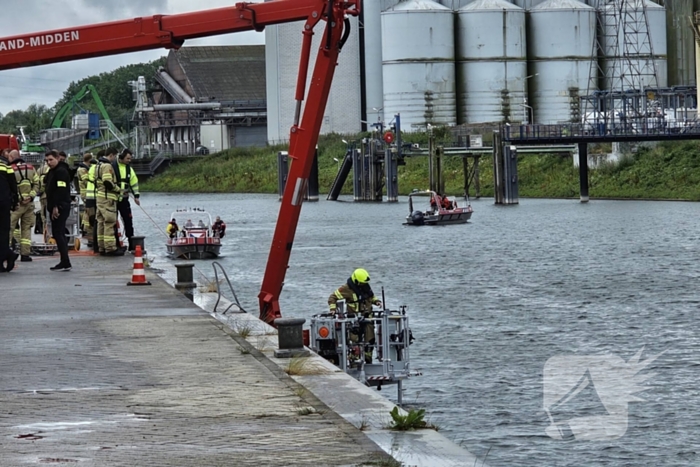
(8, 183)
(352, 305)
(42, 172)
(127, 180)
(83, 174)
(105, 185)
(27, 179)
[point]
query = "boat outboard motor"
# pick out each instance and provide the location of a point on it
(417, 218)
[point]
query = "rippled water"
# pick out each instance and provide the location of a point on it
(490, 302)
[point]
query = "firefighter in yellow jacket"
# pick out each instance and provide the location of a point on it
(129, 185)
(41, 191)
(23, 217)
(107, 197)
(82, 175)
(359, 298)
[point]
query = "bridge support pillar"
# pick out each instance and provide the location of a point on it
(391, 166)
(510, 175)
(498, 194)
(505, 171)
(583, 171)
(283, 169)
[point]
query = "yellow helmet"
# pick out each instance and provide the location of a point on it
(360, 276)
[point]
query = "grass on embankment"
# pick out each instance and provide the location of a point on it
(667, 171)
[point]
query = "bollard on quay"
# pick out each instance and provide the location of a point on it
(185, 278)
(138, 241)
(290, 337)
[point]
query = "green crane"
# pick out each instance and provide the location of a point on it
(68, 107)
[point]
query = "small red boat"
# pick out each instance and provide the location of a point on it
(195, 240)
(439, 210)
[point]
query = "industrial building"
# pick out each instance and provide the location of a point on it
(210, 99)
(446, 62)
(453, 62)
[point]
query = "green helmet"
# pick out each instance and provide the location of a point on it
(360, 276)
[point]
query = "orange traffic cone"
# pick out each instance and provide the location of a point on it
(139, 276)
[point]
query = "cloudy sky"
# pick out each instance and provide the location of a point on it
(45, 84)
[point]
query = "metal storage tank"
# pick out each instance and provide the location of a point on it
(418, 53)
(680, 43)
(343, 113)
(491, 62)
(527, 4)
(611, 63)
(372, 46)
(561, 39)
(455, 4)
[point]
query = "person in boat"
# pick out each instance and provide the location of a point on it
(359, 298)
(172, 229)
(189, 224)
(446, 203)
(434, 202)
(201, 224)
(219, 227)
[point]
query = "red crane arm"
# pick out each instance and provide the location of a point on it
(152, 32)
(170, 32)
(302, 147)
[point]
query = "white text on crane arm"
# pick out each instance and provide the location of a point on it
(38, 41)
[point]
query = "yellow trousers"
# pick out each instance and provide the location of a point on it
(24, 216)
(106, 219)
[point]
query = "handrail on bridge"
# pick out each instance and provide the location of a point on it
(604, 130)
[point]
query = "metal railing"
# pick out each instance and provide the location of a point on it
(218, 265)
(610, 131)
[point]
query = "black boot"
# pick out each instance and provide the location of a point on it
(26, 258)
(12, 257)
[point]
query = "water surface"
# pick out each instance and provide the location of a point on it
(492, 301)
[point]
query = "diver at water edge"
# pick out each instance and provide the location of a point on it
(359, 298)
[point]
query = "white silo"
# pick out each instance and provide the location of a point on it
(343, 109)
(527, 4)
(640, 28)
(418, 64)
(455, 4)
(561, 39)
(491, 62)
(372, 46)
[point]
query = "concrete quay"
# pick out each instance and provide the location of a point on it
(96, 373)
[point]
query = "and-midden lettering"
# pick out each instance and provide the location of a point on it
(38, 41)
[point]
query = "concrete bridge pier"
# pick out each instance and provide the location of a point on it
(583, 171)
(505, 171)
(311, 193)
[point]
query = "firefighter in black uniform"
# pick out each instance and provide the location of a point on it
(9, 197)
(58, 204)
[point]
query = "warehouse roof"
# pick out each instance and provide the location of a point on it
(224, 73)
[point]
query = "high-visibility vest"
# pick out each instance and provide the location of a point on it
(126, 179)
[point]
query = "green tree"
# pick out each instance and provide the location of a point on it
(112, 87)
(114, 91)
(34, 119)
